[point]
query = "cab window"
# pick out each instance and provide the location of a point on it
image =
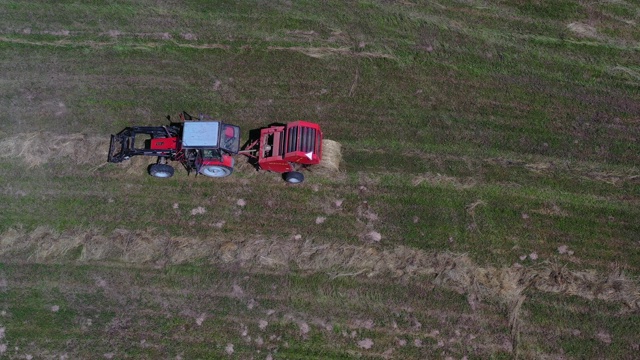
(230, 138)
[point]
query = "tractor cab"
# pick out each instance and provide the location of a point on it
(208, 145)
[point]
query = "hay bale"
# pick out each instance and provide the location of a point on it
(331, 156)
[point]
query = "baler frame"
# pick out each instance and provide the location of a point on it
(286, 148)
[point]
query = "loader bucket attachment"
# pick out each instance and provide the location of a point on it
(118, 149)
(123, 144)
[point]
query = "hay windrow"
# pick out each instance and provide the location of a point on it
(38, 148)
(583, 30)
(454, 271)
(321, 52)
(444, 180)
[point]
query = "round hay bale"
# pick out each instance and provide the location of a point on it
(331, 156)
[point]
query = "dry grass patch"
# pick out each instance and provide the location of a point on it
(632, 74)
(458, 272)
(321, 52)
(455, 271)
(614, 286)
(540, 167)
(444, 180)
(586, 170)
(39, 148)
(583, 30)
(163, 39)
(612, 178)
(551, 210)
(302, 35)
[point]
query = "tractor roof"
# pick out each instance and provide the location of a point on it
(200, 134)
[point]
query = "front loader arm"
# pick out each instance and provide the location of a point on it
(123, 144)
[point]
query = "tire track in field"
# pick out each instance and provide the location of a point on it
(96, 44)
(315, 52)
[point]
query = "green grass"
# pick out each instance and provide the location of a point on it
(490, 129)
(115, 310)
(589, 331)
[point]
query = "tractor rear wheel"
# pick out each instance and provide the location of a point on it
(161, 170)
(216, 171)
(294, 177)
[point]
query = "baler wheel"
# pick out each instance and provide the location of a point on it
(161, 170)
(294, 177)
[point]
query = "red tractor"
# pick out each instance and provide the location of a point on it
(207, 147)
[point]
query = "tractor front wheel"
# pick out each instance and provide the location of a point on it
(216, 171)
(161, 170)
(294, 177)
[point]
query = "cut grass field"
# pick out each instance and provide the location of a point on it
(486, 205)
